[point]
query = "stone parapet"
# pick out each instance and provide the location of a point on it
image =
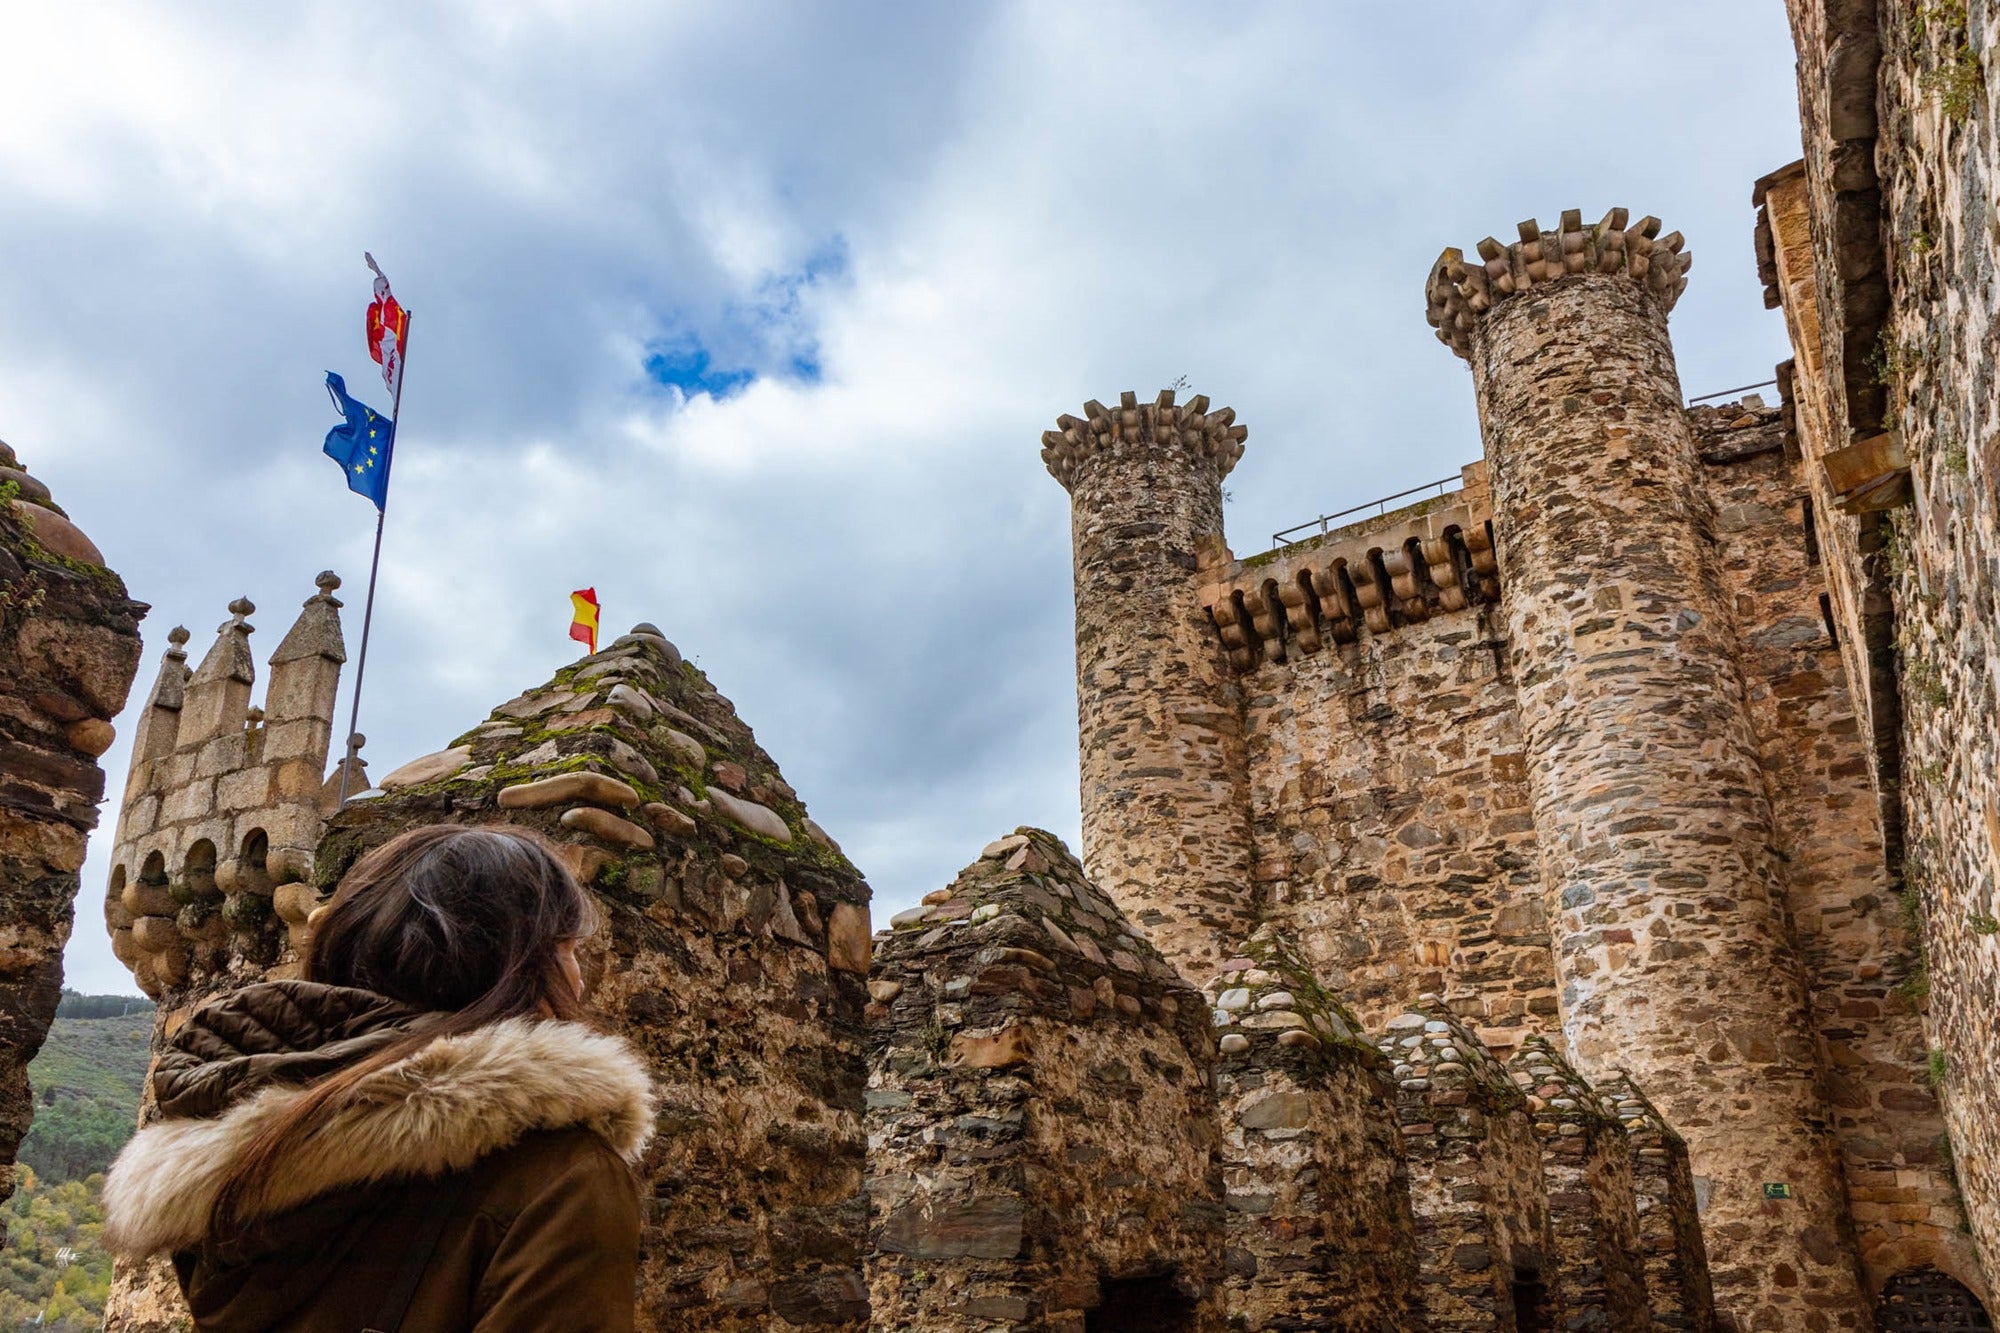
(1041, 1117)
(69, 645)
(1460, 293)
(1374, 576)
(1320, 1231)
(1104, 432)
(224, 805)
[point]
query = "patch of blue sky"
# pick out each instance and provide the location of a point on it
(767, 334)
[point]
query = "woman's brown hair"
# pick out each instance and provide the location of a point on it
(464, 922)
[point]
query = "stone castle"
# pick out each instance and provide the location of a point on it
(1568, 902)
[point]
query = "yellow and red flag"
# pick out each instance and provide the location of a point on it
(583, 617)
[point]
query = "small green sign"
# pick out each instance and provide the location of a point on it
(1777, 1189)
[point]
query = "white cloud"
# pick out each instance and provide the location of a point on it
(1034, 204)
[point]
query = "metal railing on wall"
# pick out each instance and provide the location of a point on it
(1324, 524)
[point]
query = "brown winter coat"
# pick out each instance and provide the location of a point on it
(542, 1122)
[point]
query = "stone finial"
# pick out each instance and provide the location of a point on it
(177, 638)
(241, 608)
(1460, 292)
(1213, 435)
(316, 633)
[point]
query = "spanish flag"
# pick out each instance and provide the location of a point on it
(583, 617)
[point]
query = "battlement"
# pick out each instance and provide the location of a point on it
(1426, 559)
(1214, 435)
(226, 801)
(1460, 293)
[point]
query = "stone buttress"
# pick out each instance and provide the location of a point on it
(1320, 1231)
(1587, 1175)
(1166, 805)
(732, 950)
(69, 644)
(1483, 1240)
(1041, 1114)
(1672, 949)
(1670, 1251)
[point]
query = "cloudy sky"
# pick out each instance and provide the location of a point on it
(751, 316)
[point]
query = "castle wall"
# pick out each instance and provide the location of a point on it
(1939, 155)
(1393, 829)
(1658, 858)
(1587, 1176)
(1845, 915)
(1882, 251)
(69, 644)
(1320, 1232)
(1484, 1247)
(1671, 1257)
(1041, 1120)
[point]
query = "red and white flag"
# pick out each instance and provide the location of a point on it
(388, 330)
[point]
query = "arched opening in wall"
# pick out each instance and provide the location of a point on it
(1248, 624)
(115, 890)
(1532, 1312)
(198, 870)
(153, 871)
(1927, 1301)
(253, 871)
(1140, 1305)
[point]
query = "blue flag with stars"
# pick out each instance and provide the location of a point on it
(361, 445)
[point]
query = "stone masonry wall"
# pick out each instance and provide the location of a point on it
(1393, 829)
(1041, 1113)
(1321, 1236)
(1670, 1253)
(1587, 1174)
(1939, 157)
(1483, 1242)
(69, 644)
(732, 950)
(1166, 814)
(1656, 833)
(1845, 915)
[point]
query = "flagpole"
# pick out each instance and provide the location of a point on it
(375, 564)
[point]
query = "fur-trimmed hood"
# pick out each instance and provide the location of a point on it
(433, 1113)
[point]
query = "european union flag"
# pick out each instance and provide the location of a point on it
(362, 446)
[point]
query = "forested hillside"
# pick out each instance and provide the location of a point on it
(87, 1081)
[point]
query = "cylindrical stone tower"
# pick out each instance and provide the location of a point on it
(1672, 944)
(1166, 791)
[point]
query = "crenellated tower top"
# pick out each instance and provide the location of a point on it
(1460, 292)
(226, 800)
(1212, 435)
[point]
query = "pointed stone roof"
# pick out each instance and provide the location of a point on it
(1620, 1096)
(229, 658)
(1557, 1094)
(316, 633)
(1268, 998)
(1432, 1050)
(1028, 890)
(653, 789)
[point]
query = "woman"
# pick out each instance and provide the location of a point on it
(423, 1136)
